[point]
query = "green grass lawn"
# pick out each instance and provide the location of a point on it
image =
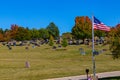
(47, 63)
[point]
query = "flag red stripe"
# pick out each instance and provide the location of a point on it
(101, 27)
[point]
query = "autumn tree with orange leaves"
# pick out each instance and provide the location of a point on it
(1, 37)
(13, 31)
(1, 34)
(82, 28)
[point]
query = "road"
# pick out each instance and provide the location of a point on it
(83, 77)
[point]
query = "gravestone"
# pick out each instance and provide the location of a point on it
(54, 47)
(77, 42)
(97, 42)
(95, 53)
(70, 42)
(87, 42)
(104, 49)
(9, 47)
(26, 47)
(101, 51)
(82, 51)
(27, 64)
(59, 46)
(33, 46)
(14, 43)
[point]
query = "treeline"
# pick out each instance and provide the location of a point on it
(81, 30)
(19, 33)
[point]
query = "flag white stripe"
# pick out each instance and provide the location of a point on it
(100, 26)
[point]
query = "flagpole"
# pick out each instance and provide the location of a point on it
(93, 56)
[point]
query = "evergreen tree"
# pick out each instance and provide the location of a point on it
(64, 42)
(53, 30)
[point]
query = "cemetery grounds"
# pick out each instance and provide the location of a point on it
(46, 62)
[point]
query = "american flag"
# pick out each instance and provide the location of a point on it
(98, 25)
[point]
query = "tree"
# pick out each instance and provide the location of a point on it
(82, 28)
(115, 41)
(53, 30)
(1, 34)
(44, 34)
(23, 34)
(115, 48)
(7, 35)
(1, 37)
(64, 42)
(112, 32)
(99, 33)
(67, 35)
(51, 43)
(35, 33)
(1, 31)
(13, 31)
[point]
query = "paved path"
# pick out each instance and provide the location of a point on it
(83, 77)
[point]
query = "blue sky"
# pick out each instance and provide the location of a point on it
(39, 13)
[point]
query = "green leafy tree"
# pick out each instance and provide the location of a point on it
(53, 30)
(82, 28)
(115, 41)
(67, 35)
(1, 31)
(112, 32)
(51, 42)
(23, 34)
(64, 42)
(99, 33)
(44, 34)
(35, 34)
(115, 48)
